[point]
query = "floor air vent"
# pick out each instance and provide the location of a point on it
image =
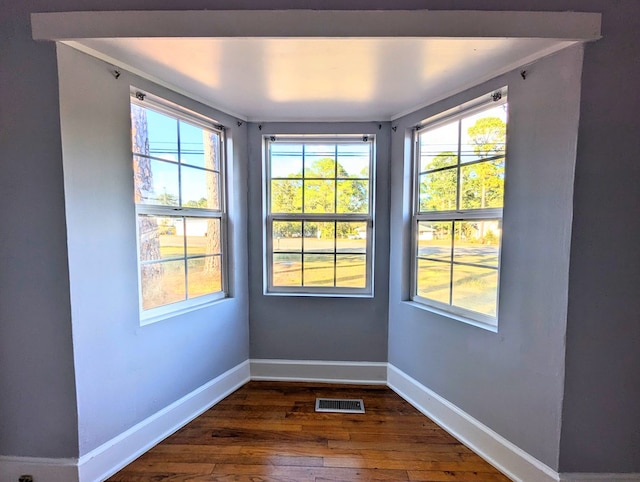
(339, 405)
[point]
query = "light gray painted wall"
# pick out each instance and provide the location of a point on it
(511, 380)
(125, 372)
(319, 328)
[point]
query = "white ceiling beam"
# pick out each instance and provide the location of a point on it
(577, 26)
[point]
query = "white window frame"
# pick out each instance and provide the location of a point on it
(151, 315)
(495, 98)
(368, 218)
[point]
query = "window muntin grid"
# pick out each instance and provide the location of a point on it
(319, 215)
(457, 221)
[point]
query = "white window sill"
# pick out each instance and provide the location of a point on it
(316, 295)
(170, 311)
(453, 316)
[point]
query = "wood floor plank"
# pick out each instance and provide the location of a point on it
(399, 447)
(326, 473)
(395, 463)
(189, 468)
(269, 431)
(455, 476)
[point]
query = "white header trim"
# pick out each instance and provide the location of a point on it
(316, 23)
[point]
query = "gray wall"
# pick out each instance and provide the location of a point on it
(601, 414)
(37, 388)
(319, 328)
(511, 380)
(125, 372)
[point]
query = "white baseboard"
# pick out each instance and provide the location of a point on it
(113, 455)
(110, 457)
(585, 477)
(50, 470)
(495, 449)
(319, 371)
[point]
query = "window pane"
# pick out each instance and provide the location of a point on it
(139, 130)
(319, 237)
(287, 236)
(482, 185)
(191, 144)
(351, 271)
(433, 280)
(475, 288)
(179, 164)
(353, 160)
(484, 134)
(162, 132)
(438, 190)
(477, 242)
(353, 197)
(319, 160)
(200, 188)
(212, 150)
(439, 147)
(162, 283)
(286, 196)
(203, 236)
(318, 270)
(351, 237)
(327, 178)
(434, 240)
(319, 196)
(204, 275)
(286, 160)
(199, 147)
(155, 182)
(287, 270)
(160, 237)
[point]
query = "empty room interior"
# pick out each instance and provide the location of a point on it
(433, 199)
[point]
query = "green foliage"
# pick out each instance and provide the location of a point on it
(287, 229)
(488, 136)
(327, 189)
(438, 190)
(167, 199)
(286, 196)
(200, 203)
(481, 184)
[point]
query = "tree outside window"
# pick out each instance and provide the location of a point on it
(460, 176)
(177, 165)
(319, 219)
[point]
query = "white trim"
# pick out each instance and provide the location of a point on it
(45, 469)
(316, 23)
(365, 373)
(583, 477)
(113, 455)
(511, 460)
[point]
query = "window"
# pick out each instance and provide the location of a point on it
(319, 196)
(457, 221)
(178, 166)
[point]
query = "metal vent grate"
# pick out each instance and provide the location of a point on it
(339, 405)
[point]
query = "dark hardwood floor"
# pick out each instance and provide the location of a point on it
(269, 431)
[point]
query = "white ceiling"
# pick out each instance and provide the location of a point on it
(317, 65)
(321, 79)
